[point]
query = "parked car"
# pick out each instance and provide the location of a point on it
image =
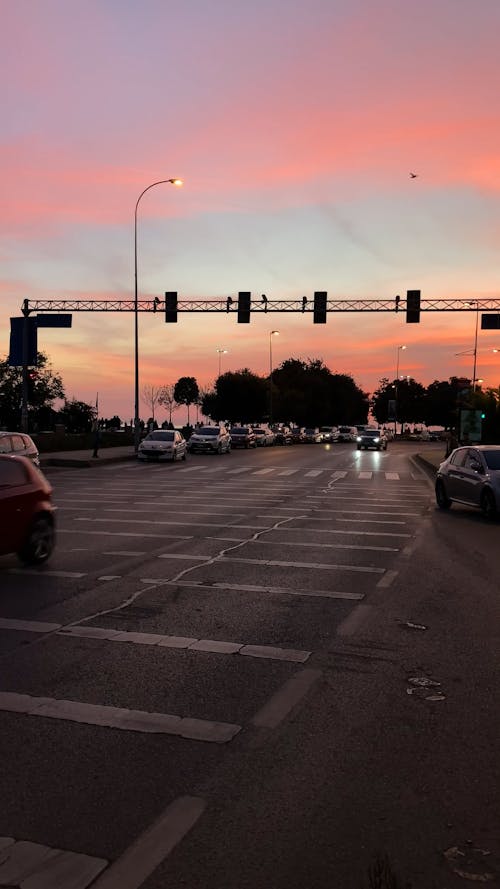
(329, 433)
(347, 433)
(372, 438)
(242, 437)
(210, 440)
(163, 444)
(471, 475)
(297, 433)
(312, 436)
(283, 435)
(20, 444)
(263, 436)
(26, 510)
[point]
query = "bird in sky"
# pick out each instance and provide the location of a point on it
(413, 175)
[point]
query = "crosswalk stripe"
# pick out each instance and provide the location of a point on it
(236, 471)
(392, 476)
(339, 474)
(288, 472)
(263, 471)
(365, 475)
(314, 472)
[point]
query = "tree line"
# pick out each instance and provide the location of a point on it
(306, 393)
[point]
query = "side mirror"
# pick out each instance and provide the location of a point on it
(477, 467)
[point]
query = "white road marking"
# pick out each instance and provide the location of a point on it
(42, 573)
(109, 577)
(185, 556)
(263, 471)
(123, 534)
(135, 521)
(146, 853)
(387, 580)
(353, 621)
(339, 474)
(369, 521)
(119, 718)
(280, 704)
(365, 475)
(359, 511)
(251, 588)
(392, 476)
(28, 626)
(34, 866)
(313, 473)
(124, 552)
(237, 471)
(322, 566)
(288, 472)
(350, 533)
(380, 549)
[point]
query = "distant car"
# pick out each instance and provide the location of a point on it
(263, 436)
(210, 440)
(347, 433)
(372, 438)
(312, 436)
(26, 511)
(163, 444)
(329, 433)
(471, 475)
(297, 434)
(242, 437)
(20, 444)
(283, 435)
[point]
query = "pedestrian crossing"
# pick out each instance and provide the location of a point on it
(280, 472)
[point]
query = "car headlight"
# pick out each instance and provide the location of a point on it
(358, 438)
(376, 440)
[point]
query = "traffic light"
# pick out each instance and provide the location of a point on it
(412, 306)
(244, 307)
(171, 308)
(320, 306)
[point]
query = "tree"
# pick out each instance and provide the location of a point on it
(150, 395)
(167, 399)
(77, 416)
(239, 396)
(410, 398)
(186, 392)
(44, 389)
(310, 395)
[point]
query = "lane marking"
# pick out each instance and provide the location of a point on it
(119, 718)
(356, 546)
(28, 626)
(110, 577)
(252, 588)
(359, 511)
(237, 471)
(124, 552)
(277, 708)
(263, 471)
(313, 473)
(185, 556)
(338, 474)
(151, 522)
(34, 866)
(392, 476)
(43, 573)
(354, 620)
(275, 563)
(147, 852)
(387, 580)
(123, 534)
(288, 472)
(365, 475)
(288, 529)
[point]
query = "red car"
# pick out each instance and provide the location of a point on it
(26, 511)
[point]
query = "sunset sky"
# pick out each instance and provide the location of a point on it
(295, 127)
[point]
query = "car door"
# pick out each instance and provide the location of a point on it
(453, 478)
(472, 477)
(15, 504)
(463, 479)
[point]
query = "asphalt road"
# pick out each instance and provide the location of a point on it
(261, 669)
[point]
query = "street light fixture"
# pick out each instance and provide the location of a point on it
(176, 182)
(400, 349)
(220, 353)
(271, 334)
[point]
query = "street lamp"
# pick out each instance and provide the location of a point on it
(271, 334)
(220, 353)
(400, 349)
(176, 182)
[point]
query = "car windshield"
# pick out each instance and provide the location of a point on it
(160, 436)
(371, 432)
(344, 428)
(492, 459)
(208, 430)
(239, 430)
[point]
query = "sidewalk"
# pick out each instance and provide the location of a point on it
(431, 458)
(84, 458)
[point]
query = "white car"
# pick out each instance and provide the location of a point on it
(163, 444)
(263, 436)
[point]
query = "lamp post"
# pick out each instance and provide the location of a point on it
(400, 349)
(271, 334)
(474, 351)
(136, 313)
(220, 353)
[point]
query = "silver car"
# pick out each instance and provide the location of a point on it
(163, 444)
(210, 440)
(19, 444)
(471, 475)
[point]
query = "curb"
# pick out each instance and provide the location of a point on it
(78, 462)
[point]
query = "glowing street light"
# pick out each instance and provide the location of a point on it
(220, 353)
(176, 182)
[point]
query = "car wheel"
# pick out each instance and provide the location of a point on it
(39, 542)
(442, 499)
(219, 449)
(488, 504)
(174, 457)
(358, 448)
(184, 455)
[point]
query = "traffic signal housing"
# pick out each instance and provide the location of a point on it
(320, 306)
(171, 308)
(244, 307)
(413, 306)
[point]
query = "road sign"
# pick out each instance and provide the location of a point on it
(53, 320)
(20, 327)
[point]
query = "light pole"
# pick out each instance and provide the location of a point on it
(400, 349)
(220, 353)
(475, 303)
(136, 313)
(271, 334)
